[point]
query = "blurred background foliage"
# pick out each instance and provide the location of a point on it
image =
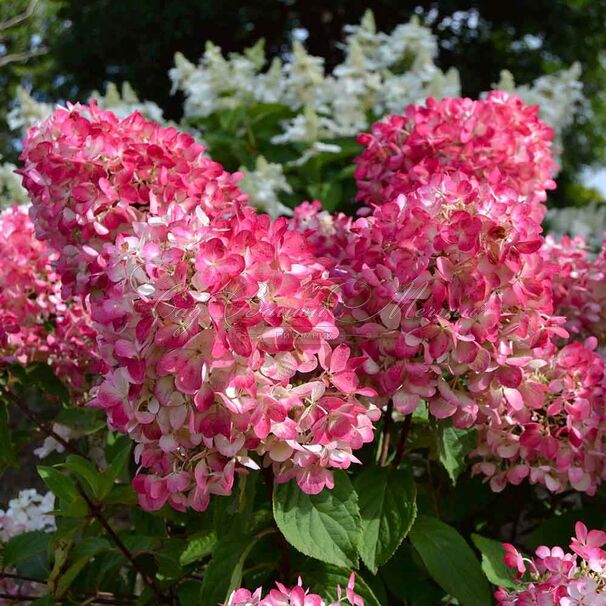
(64, 49)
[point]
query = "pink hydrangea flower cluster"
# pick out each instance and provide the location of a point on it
(216, 323)
(497, 140)
(36, 324)
(579, 286)
(297, 596)
(447, 292)
(445, 295)
(555, 577)
(90, 175)
(219, 333)
(555, 435)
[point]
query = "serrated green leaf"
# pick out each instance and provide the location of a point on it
(198, 546)
(450, 561)
(325, 526)
(495, 569)
(453, 446)
(387, 500)
(224, 572)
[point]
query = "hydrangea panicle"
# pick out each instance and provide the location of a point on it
(36, 323)
(282, 596)
(90, 175)
(559, 578)
(216, 323)
(498, 140)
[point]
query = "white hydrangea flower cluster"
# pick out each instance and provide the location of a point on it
(588, 221)
(381, 73)
(27, 512)
(264, 184)
(11, 190)
(27, 111)
(125, 102)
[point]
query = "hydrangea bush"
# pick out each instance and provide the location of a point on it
(309, 347)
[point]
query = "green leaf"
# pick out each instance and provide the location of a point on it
(324, 578)
(497, 572)
(7, 448)
(450, 561)
(167, 557)
(117, 465)
(122, 494)
(63, 548)
(60, 485)
(46, 600)
(80, 556)
(387, 500)
(86, 471)
(453, 446)
(407, 578)
(198, 546)
(188, 593)
(43, 376)
(25, 546)
(82, 420)
(325, 526)
(224, 572)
